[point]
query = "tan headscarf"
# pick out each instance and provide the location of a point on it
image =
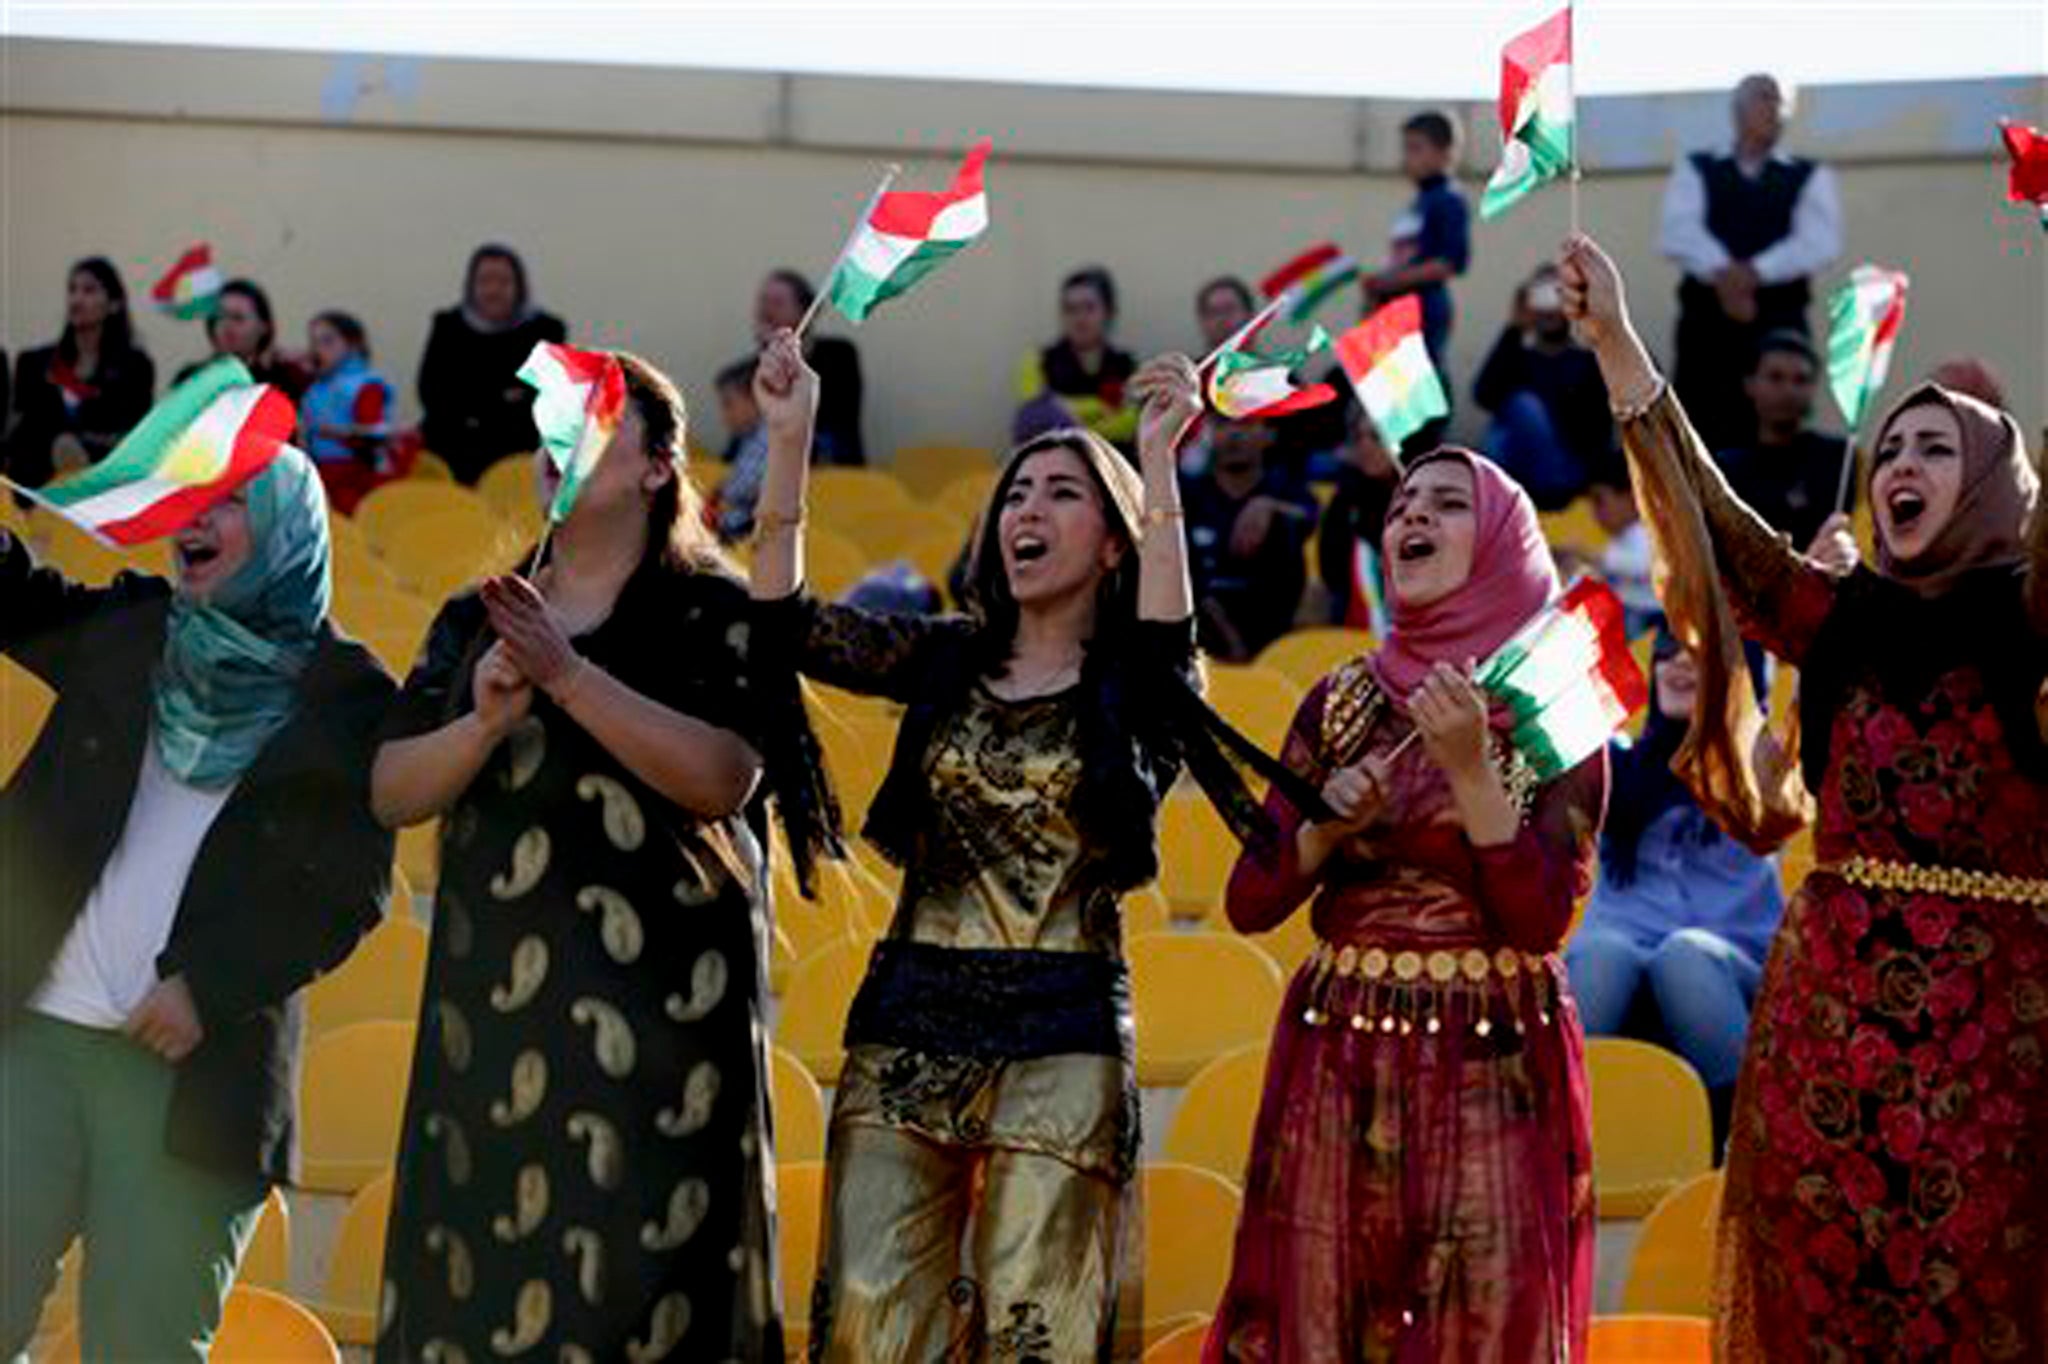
(1989, 525)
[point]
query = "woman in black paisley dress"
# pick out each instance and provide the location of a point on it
(585, 1170)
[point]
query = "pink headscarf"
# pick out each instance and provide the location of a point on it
(1513, 577)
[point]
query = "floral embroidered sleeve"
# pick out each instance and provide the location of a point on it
(1530, 885)
(855, 650)
(1263, 892)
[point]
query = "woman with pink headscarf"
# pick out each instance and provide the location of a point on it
(1420, 1183)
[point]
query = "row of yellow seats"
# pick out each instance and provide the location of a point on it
(257, 1326)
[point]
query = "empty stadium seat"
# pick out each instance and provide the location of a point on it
(799, 1108)
(352, 1103)
(815, 1002)
(1197, 996)
(355, 1275)
(267, 1263)
(1212, 1127)
(1650, 1340)
(386, 510)
(1259, 701)
(1307, 656)
(1190, 1226)
(799, 1198)
(1650, 1127)
(1181, 1345)
(928, 470)
(381, 979)
(1196, 854)
(1672, 1269)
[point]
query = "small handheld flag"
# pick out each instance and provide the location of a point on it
(192, 287)
(1310, 280)
(1538, 117)
(209, 436)
(1864, 317)
(1249, 385)
(1390, 369)
(1568, 677)
(579, 400)
(905, 235)
(2028, 181)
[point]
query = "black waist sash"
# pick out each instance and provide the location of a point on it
(998, 1004)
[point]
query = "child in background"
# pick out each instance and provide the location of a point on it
(345, 418)
(1625, 563)
(746, 453)
(1431, 245)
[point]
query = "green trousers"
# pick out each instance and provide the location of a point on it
(82, 1155)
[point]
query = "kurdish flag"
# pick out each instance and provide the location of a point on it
(1390, 370)
(1538, 123)
(209, 436)
(905, 235)
(1367, 609)
(1249, 385)
(2028, 183)
(1569, 679)
(579, 400)
(1310, 280)
(192, 288)
(1864, 317)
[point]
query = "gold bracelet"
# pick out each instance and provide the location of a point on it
(767, 520)
(1637, 410)
(1159, 516)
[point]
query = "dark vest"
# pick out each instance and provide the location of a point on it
(1746, 216)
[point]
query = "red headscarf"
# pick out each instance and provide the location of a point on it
(1513, 577)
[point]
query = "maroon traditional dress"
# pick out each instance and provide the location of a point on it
(1420, 1182)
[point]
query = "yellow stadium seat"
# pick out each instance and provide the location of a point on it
(60, 1309)
(1212, 1127)
(1196, 854)
(1306, 656)
(841, 485)
(928, 470)
(352, 563)
(799, 1108)
(850, 904)
(800, 1202)
(1190, 1226)
(1259, 701)
(1650, 1340)
(263, 1327)
(70, 549)
(419, 855)
(1650, 1127)
(1288, 945)
(24, 704)
(832, 563)
(858, 742)
(1145, 910)
(1181, 1345)
(355, 1274)
(352, 1103)
(1672, 1269)
(437, 555)
(386, 510)
(361, 607)
(381, 980)
(934, 553)
(814, 1006)
(431, 467)
(267, 1263)
(967, 496)
(888, 534)
(1784, 692)
(1796, 860)
(1177, 983)
(1574, 528)
(510, 486)
(880, 869)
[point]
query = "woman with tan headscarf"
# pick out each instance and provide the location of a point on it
(1887, 1193)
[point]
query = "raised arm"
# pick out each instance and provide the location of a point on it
(786, 389)
(1169, 396)
(433, 745)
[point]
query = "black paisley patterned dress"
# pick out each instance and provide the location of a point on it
(585, 1170)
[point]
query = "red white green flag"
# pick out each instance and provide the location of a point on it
(905, 235)
(1391, 372)
(1310, 280)
(1250, 384)
(1864, 317)
(1569, 678)
(2028, 181)
(209, 436)
(579, 400)
(192, 287)
(1538, 122)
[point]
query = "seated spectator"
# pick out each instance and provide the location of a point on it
(1222, 306)
(1789, 474)
(782, 300)
(1625, 562)
(1968, 374)
(474, 409)
(1551, 425)
(242, 326)
(1081, 375)
(74, 400)
(746, 453)
(345, 418)
(1682, 915)
(1246, 526)
(1355, 516)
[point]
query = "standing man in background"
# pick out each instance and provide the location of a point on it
(1749, 229)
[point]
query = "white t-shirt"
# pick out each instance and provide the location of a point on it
(108, 961)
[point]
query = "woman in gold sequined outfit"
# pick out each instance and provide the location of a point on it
(1420, 1181)
(985, 1131)
(584, 1171)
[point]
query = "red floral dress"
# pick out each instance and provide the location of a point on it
(1887, 1193)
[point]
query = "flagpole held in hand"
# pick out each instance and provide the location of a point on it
(867, 210)
(1237, 338)
(1572, 85)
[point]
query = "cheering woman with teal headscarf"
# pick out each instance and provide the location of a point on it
(187, 844)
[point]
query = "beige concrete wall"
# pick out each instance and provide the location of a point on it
(649, 202)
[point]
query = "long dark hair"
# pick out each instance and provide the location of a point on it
(117, 333)
(989, 599)
(260, 302)
(675, 521)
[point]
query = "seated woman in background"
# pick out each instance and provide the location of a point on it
(1079, 379)
(1680, 909)
(74, 400)
(474, 410)
(345, 416)
(244, 327)
(781, 302)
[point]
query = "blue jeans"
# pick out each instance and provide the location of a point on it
(1703, 986)
(1525, 442)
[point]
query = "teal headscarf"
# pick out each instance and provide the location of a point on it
(228, 679)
